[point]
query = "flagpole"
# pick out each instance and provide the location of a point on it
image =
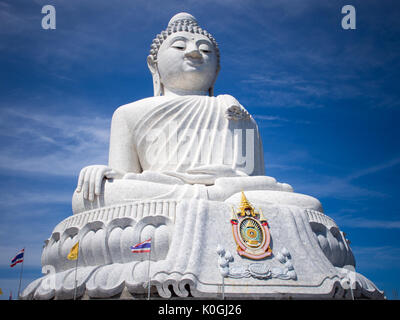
(76, 270)
(223, 288)
(148, 274)
(20, 274)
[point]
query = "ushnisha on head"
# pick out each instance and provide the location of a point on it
(184, 58)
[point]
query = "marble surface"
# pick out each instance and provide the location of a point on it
(185, 260)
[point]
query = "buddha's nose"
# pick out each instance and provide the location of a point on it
(194, 54)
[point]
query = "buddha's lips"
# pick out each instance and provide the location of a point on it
(194, 63)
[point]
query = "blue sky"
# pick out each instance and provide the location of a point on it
(326, 101)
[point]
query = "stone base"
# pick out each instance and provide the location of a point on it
(190, 240)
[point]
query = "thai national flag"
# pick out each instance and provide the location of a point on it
(144, 246)
(18, 258)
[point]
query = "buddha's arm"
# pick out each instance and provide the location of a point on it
(122, 155)
(123, 159)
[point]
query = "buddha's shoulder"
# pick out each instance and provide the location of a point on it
(145, 105)
(140, 105)
(228, 98)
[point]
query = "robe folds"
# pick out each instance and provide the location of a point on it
(186, 136)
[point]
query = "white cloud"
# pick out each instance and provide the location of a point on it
(336, 187)
(277, 119)
(352, 220)
(345, 187)
(377, 257)
(12, 199)
(269, 118)
(52, 144)
(373, 169)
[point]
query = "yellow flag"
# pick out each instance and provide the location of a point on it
(73, 254)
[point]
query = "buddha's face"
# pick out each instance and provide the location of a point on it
(187, 61)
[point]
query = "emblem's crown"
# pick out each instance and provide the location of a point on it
(245, 206)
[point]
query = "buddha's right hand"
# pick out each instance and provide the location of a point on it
(91, 178)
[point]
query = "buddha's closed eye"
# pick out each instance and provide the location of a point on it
(180, 45)
(205, 48)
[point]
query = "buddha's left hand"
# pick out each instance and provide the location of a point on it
(207, 174)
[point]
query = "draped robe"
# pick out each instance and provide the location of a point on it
(177, 135)
(186, 147)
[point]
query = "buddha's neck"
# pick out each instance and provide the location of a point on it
(178, 92)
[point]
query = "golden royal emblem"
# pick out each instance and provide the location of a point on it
(251, 232)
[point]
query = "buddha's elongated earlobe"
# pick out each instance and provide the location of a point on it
(157, 85)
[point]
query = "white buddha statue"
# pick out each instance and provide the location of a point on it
(183, 136)
(186, 170)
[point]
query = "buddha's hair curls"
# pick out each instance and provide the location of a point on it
(181, 22)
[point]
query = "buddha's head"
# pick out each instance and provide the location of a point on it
(184, 58)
